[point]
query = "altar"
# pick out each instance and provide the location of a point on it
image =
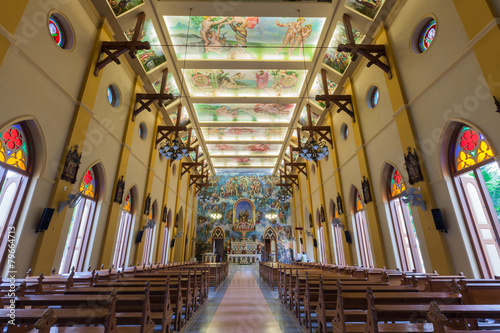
(236, 258)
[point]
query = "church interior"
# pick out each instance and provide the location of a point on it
(250, 166)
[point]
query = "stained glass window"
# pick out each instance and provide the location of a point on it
(374, 97)
(359, 202)
(88, 184)
(127, 205)
(397, 184)
(57, 31)
(427, 35)
(111, 95)
(13, 150)
(471, 148)
(150, 213)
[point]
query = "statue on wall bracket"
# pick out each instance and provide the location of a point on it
(120, 190)
(71, 165)
(413, 167)
(340, 207)
(367, 195)
(147, 205)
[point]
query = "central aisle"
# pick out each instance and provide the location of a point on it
(243, 308)
(243, 304)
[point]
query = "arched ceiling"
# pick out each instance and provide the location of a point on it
(245, 70)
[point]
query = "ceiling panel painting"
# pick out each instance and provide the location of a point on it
(243, 149)
(246, 171)
(244, 83)
(368, 8)
(244, 112)
(244, 161)
(304, 121)
(184, 117)
(244, 133)
(317, 89)
(121, 7)
(340, 60)
(153, 57)
(244, 38)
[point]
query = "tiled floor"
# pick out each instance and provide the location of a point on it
(243, 304)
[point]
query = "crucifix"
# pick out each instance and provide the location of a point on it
(147, 99)
(115, 49)
(341, 101)
(371, 52)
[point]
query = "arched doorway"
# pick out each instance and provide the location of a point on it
(270, 246)
(218, 243)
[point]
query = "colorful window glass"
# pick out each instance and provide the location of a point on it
(151, 213)
(375, 97)
(397, 184)
(57, 31)
(127, 205)
(88, 184)
(427, 35)
(359, 202)
(13, 150)
(471, 148)
(111, 95)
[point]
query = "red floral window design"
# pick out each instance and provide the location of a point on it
(127, 205)
(397, 185)
(359, 202)
(13, 150)
(88, 184)
(471, 148)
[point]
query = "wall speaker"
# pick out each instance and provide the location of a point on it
(347, 236)
(138, 239)
(44, 222)
(315, 242)
(301, 242)
(172, 243)
(438, 220)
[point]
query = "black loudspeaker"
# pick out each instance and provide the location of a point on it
(138, 239)
(301, 242)
(438, 220)
(315, 242)
(44, 222)
(172, 243)
(347, 237)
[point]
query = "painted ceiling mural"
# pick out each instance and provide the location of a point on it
(153, 57)
(244, 133)
(244, 38)
(257, 186)
(221, 149)
(304, 121)
(317, 89)
(340, 60)
(368, 8)
(244, 83)
(122, 6)
(184, 117)
(244, 161)
(244, 112)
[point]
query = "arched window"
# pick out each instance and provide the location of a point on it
(404, 227)
(149, 235)
(77, 240)
(363, 238)
(122, 241)
(337, 231)
(16, 156)
(477, 180)
(320, 238)
(164, 251)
